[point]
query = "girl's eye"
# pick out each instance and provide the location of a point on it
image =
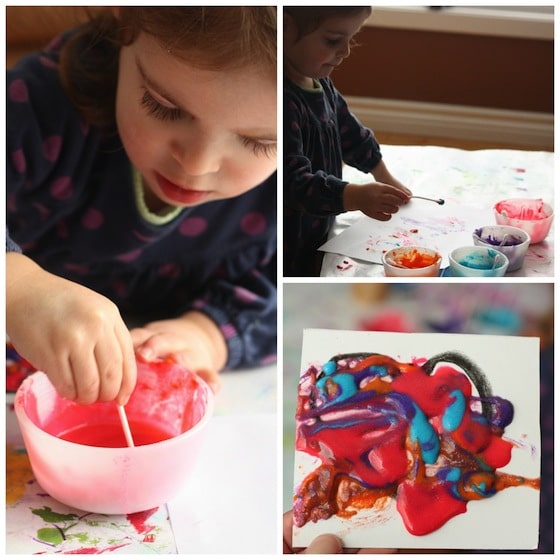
(159, 111)
(259, 148)
(333, 42)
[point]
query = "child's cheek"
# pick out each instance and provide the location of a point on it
(254, 173)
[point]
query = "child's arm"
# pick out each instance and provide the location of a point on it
(74, 335)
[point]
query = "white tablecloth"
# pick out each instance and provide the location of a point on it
(477, 178)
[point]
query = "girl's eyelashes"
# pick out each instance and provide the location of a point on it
(159, 111)
(333, 42)
(259, 148)
(336, 42)
(154, 108)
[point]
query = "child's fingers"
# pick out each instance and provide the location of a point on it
(61, 376)
(211, 377)
(381, 216)
(109, 360)
(287, 524)
(128, 381)
(157, 346)
(86, 376)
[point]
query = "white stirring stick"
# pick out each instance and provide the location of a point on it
(125, 426)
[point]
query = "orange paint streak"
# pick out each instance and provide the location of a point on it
(415, 259)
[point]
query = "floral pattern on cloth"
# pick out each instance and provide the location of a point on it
(38, 524)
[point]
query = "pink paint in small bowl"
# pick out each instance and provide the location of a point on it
(532, 215)
(79, 455)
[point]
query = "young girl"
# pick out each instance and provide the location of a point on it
(320, 134)
(141, 180)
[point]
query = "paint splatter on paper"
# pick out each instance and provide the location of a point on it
(441, 228)
(471, 179)
(428, 436)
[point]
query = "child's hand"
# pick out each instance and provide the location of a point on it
(383, 175)
(73, 334)
(376, 200)
(193, 340)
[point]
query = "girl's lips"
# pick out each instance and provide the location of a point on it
(179, 194)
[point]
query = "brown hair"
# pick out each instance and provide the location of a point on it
(211, 38)
(308, 18)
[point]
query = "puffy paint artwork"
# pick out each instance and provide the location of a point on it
(416, 433)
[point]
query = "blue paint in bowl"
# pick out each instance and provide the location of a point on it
(477, 261)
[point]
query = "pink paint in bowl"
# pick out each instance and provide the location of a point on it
(79, 455)
(532, 215)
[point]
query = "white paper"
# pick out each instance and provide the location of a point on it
(420, 222)
(508, 520)
(230, 504)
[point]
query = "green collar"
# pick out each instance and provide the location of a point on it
(158, 219)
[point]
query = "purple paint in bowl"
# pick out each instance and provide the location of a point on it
(513, 242)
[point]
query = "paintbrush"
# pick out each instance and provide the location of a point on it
(439, 201)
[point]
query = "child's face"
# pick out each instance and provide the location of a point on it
(194, 135)
(317, 54)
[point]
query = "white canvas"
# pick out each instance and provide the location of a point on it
(508, 520)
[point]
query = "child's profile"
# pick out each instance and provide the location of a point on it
(321, 135)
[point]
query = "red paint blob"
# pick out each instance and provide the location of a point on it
(426, 507)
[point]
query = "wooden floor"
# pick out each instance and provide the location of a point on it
(416, 140)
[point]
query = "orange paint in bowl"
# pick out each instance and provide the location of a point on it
(415, 259)
(411, 261)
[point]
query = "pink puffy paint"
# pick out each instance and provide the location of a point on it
(531, 215)
(79, 456)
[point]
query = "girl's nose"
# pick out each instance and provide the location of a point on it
(196, 156)
(345, 50)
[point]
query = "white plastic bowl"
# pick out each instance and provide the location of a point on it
(116, 480)
(411, 261)
(511, 241)
(477, 261)
(518, 212)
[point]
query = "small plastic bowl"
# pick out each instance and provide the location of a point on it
(521, 212)
(411, 261)
(511, 241)
(477, 261)
(97, 474)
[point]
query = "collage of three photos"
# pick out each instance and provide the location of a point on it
(176, 384)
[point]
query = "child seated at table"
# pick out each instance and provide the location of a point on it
(320, 134)
(141, 179)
